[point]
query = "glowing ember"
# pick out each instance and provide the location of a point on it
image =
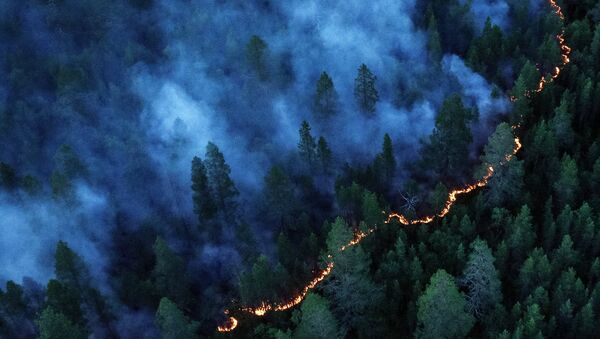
(265, 307)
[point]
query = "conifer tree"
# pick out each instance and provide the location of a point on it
(256, 54)
(364, 90)
(441, 310)
(204, 206)
(324, 155)
(326, 97)
(307, 145)
(172, 323)
(222, 187)
(481, 279)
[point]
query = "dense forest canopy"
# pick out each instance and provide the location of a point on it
(164, 161)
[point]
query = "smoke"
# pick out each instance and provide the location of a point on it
(31, 228)
(144, 120)
(205, 93)
(496, 10)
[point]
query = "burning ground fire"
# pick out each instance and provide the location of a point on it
(266, 307)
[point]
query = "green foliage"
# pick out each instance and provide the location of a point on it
(324, 155)
(365, 93)
(68, 266)
(507, 183)
(66, 300)
(447, 150)
(279, 194)
(536, 271)
(353, 293)
(326, 97)
(567, 186)
(169, 274)
(222, 187)
(256, 55)
(204, 206)
(441, 310)
(316, 320)
(434, 45)
(172, 323)
(259, 284)
(481, 279)
(307, 145)
(55, 325)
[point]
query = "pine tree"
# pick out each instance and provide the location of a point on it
(306, 145)
(326, 98)
(65, 300)
(522, 235)
(279, 194)
(350, 287)
(324, 155)
(434, 45)
(562, 124)
(536, 271)
(204, 206)
(168, 276)
(68, 267)
(567, 185)
(259, 284)
(54, 325)
(364, 90)
(441, 310)
(481, 279)
(256, 54)
(447, 151)
(172, 323)
(315, 320)
(222, 187)
(507, 183)
(387, 158)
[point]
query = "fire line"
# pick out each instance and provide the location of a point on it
(266, 307)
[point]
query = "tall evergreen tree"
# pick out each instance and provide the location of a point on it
(279, 194)
(169, 274)
(256, 54)
(434, 45)
(385, 163)
(222, 187)
(350, 287)
(326, 98)
(315, 320)
(307, 145)
(172, 323)
(364, 90)
(204, 206)
(567, 186)
(54, 325)
(447, 151)
(441, 310)
(324, 155)
(481, 279)
(507, 183)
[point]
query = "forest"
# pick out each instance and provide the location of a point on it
(297, 169)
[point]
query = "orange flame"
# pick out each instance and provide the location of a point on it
(265, 307)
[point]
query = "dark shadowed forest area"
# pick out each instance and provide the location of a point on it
(299, 169)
